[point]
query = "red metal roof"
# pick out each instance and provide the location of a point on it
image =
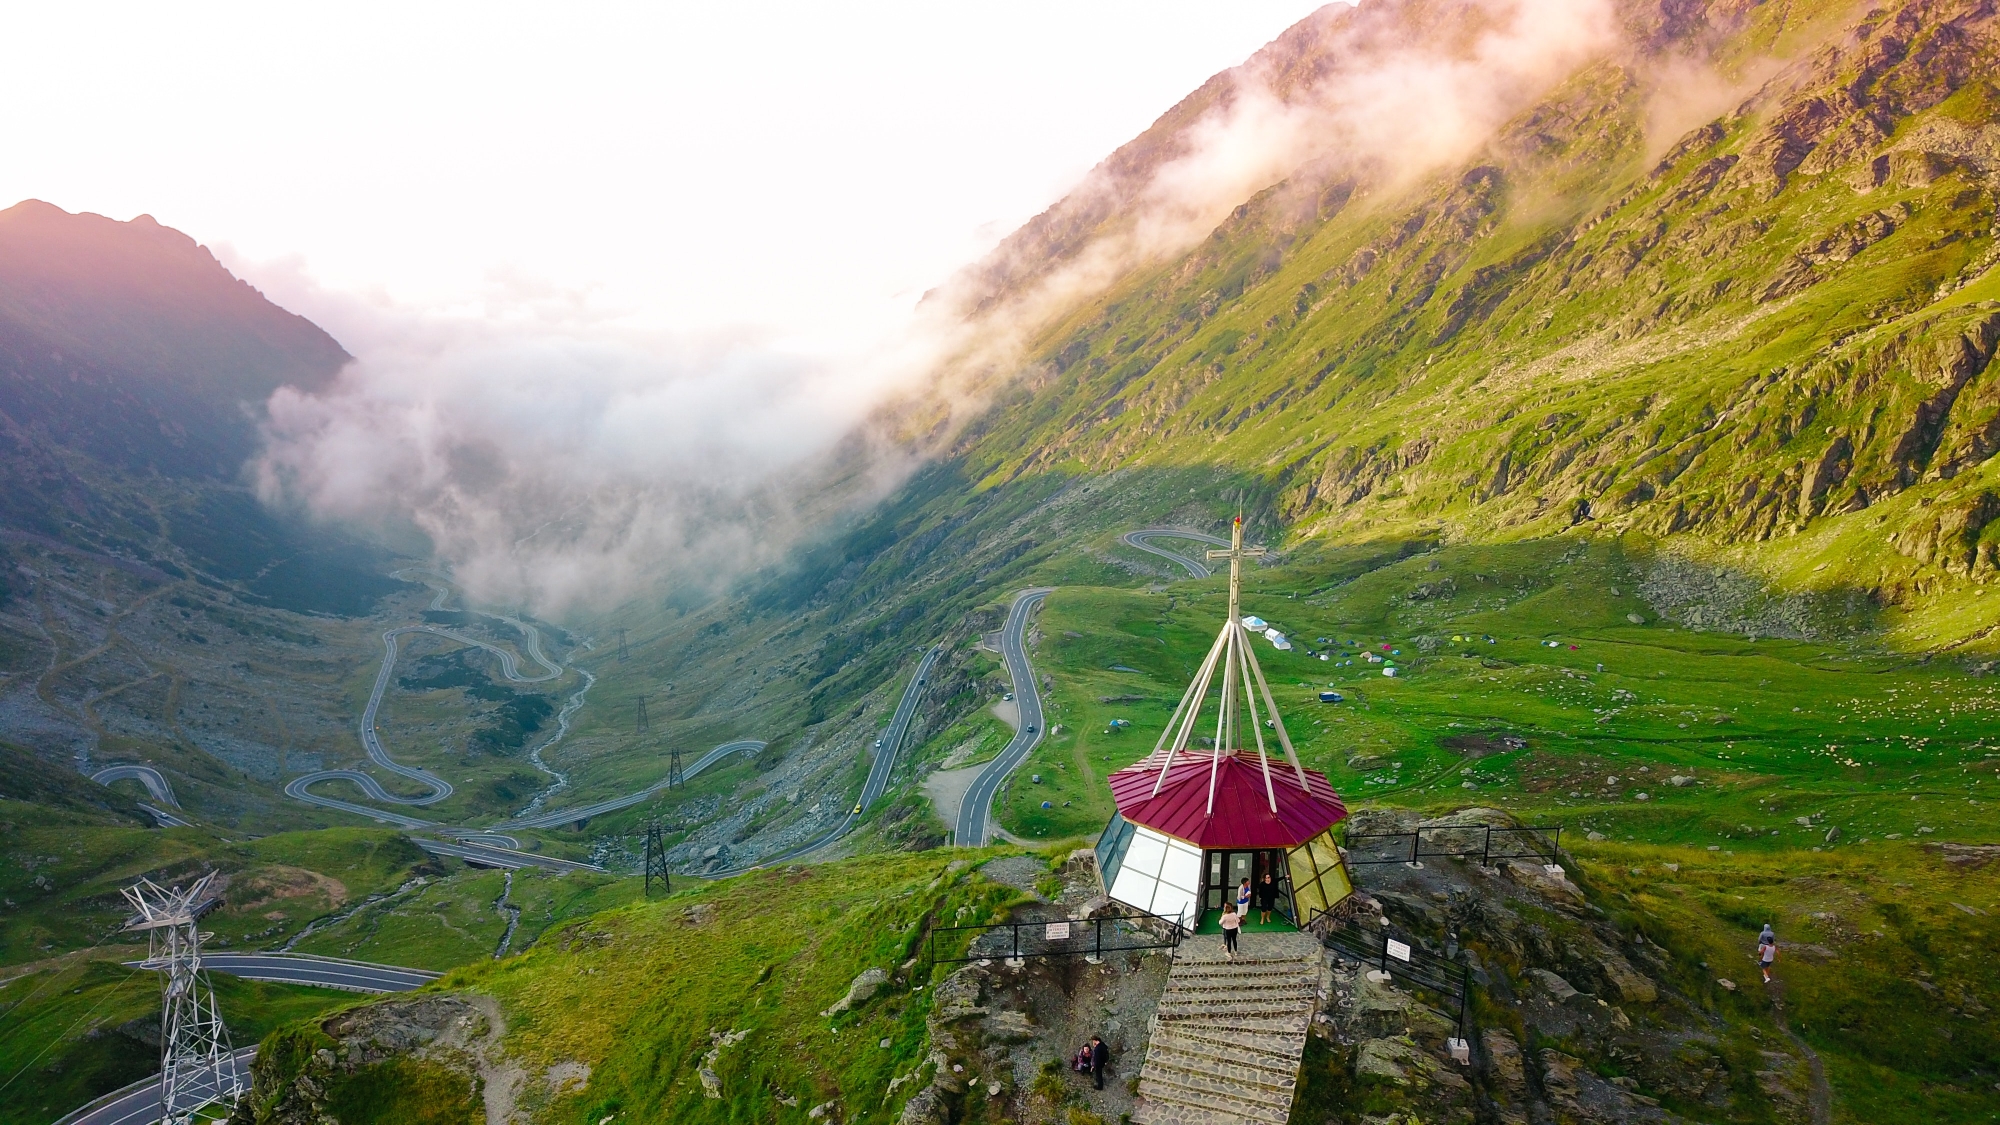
(1242, 817)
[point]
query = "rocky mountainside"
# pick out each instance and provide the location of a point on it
(151, 609)
(131, 343)
(1720, 276)
(133, 374)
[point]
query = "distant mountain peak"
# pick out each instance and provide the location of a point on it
(129, 341)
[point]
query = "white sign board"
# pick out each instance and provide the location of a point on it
(1399, 950)
(1057, 931)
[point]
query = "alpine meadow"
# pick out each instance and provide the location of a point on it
(1579, 418)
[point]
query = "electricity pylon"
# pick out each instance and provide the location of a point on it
(195, 1065)
(621, 646)
(656, 858)
(674, 778)
(643, 724)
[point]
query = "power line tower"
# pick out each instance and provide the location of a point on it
(621, 646)
(656, 858)
(196, 1069)
(643, 723)
(674, 778)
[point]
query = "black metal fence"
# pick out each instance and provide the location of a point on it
(1405, 961)
(1466, 841)
(1084, 937)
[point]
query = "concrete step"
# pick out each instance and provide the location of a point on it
(1284, 1027)
(1247, 981)
(1291, 986)
(1237, 1102)
(1177, 1113)
(1243, 961)
(1276, 1043)
(1228, 1034)
(1232, 1004)
(1250, 1068)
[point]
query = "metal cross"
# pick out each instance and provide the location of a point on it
(1236, 553)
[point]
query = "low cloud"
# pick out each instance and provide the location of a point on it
(557, 460)
(560, 462)
(1386, 93)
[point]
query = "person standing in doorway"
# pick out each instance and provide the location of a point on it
(1267, 897)
(1243, 898)
(1767, 951)
(1231, 922)
(1100, 1057)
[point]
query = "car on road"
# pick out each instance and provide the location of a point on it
(1031, 728)
(857, 808)
(878, 744)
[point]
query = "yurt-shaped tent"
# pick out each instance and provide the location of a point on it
(1192, 825)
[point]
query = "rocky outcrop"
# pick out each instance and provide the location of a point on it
(864, 987)
(443, 1044)
(1577, 999)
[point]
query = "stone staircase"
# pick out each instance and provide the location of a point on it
(1228, 1036)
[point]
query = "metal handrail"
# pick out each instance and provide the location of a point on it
(1070, 943)
(1421, 968)
(1537, 834)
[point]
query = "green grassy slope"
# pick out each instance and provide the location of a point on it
(639, 995)
(1771, 344)
(1840, 728)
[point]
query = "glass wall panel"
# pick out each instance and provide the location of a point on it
(1336, 885)
(1326, 855)
(1157, 873)
(1309, 899)
(1182, 867)
(1144, 854)
(1111, 850)
(1319, 879)
(1174, 902)
(1134, 889)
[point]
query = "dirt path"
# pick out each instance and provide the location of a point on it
(1821, 1098)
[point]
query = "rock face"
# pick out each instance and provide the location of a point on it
(299, 1075)
(292, 1082)
(859, 992)
(994, 1029)
(1581, 999)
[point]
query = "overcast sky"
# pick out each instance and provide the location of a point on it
(804, 170)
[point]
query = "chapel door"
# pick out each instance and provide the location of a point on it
(1242, 865)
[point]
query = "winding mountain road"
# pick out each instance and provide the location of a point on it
(155, 782)
(139, 1103)
(371, 739)
(878, 771)
(891, 742)
(1143, 540)
(320, 972)
(975, 813)
(506, 859)
(584, 812)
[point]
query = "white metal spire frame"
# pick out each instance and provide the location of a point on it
(195, 1069)
(1232, 653)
